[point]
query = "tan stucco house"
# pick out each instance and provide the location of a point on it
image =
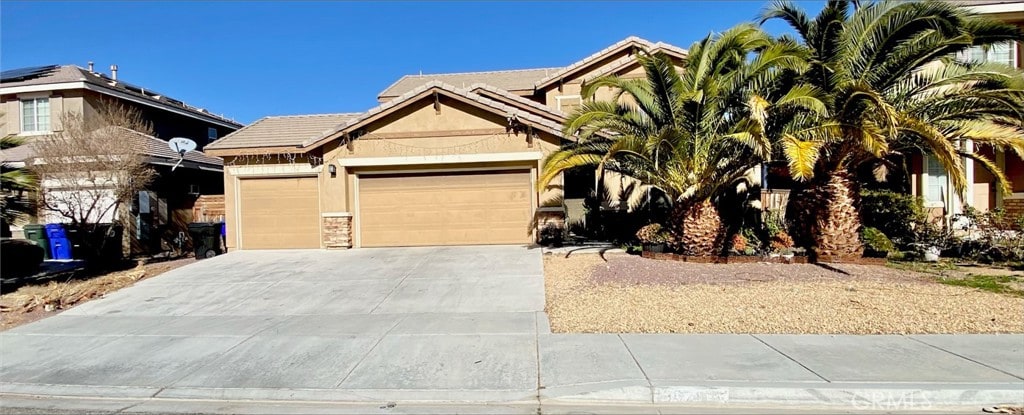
(932, 183)
(33, 104)
(445, 159)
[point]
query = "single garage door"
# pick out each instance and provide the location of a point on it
(279, 213)
(445, 208)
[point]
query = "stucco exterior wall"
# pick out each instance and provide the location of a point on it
(60, 101)
(416, 130)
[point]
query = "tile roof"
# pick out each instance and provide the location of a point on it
(147, 145)
(73, 73)
(157, 148)
(277, 131)
(510, 80)
(488, 89)
(601, 54)
(18, 154)
(510, 111)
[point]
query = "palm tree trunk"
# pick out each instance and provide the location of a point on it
(697, 229)
(824, 217)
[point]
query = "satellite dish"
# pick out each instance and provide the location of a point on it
(181, 145)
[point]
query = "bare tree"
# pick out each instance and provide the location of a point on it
(94, 166)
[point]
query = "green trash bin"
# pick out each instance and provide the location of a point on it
(205, 239)
(37, 233)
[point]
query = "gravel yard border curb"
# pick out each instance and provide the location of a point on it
(749, 259)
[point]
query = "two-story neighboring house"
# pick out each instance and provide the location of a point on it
(930, 181)
(33, 100)
(445, 159)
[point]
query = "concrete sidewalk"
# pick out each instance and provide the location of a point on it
(515, 367)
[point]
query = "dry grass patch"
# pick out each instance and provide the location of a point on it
(629, 294)
(32, 302)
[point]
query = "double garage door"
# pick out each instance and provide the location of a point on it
(445, 208)
(449, 208)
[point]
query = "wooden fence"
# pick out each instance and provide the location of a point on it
(208, 208)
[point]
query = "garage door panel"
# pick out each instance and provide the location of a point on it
(279, 213)
(445, 209)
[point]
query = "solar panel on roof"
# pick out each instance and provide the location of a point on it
(21, 74)
(138, 89)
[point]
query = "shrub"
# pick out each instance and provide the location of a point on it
(927, 235)
(774, 223)
(739, 242)
(993, 237)
(781, 241)
(876, 244)
(552, 235)
(894, 214)
(652, 234)
(752, 238)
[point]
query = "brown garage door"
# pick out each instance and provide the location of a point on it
(445, 208)
(279, 213)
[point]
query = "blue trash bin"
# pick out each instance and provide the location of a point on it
(55, 231)
(60, 248)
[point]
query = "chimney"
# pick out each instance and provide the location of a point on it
(113, 72)
(91, 67)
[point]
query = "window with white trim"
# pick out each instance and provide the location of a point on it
(1004, 53)
(35, 115)
(568, 103)
(936, 181)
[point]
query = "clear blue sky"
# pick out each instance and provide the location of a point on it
(251, 59)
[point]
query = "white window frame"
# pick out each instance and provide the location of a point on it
(925, 178)
(211, 134)
(558, 100)
(34, 98)
(1013, 55)
(1014, 62)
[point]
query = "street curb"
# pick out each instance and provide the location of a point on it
(860, 396)
(857, 396)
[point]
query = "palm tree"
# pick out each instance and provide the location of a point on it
(891, 86)
(690, 133)
(15, 184)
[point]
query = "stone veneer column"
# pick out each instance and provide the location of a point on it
(337, 230)
(1014, 206)
(549, 216)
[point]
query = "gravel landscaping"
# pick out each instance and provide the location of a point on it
(34, 302)
(629, 294)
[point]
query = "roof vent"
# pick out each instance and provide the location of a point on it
(113, 72)
(91, 67)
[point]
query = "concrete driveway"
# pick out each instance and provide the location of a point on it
(448, 325)
(280, 324)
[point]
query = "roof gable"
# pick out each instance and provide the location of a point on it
(624, 46)
(509, 80)
(529, 118)
(509, 98)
